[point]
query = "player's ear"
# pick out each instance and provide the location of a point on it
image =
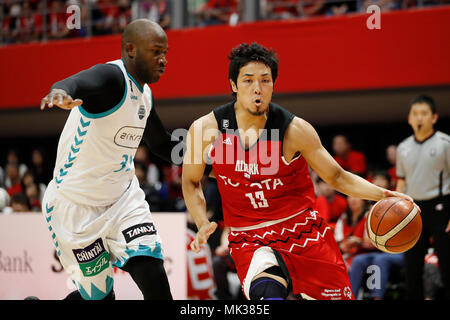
(233, 86)
(130, 49)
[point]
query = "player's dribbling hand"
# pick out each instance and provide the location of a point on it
(202, 236)
(60, 98)
(389, 193)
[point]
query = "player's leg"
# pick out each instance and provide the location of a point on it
(269, 285)
(260, 273)
(83, 254)
(136, 246)
(150, 276)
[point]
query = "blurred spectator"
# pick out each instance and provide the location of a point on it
(57, 28)
(281, 9)
(194, 11)
(381, 179)
(155, 10)
(13, 157)
(13, 178)
(218, 12)
(391, 156)
(123, 16)
(19, 203)
(152, 170)
(2, 177)
(422, 3)
(338, 8)
(223, 264)
(11, 23)
(311, 8)
(34, 197)
(386, 263)
(329, 204)
(108, 8)
(432, 282)
(350, 228)
(172, 174)
(31, 23)
(349, 159)
(4, 199)
(384, 5)
(29, 179)
(151, 193)
(40, 168)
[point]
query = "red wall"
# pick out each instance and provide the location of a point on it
(322, 54)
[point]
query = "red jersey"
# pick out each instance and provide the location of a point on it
(257, 184)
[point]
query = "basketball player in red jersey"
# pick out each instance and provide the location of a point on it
(259, 154)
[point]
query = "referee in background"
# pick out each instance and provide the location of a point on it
(423, 170)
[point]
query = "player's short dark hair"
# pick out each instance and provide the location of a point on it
(424, 99)
(245, 53)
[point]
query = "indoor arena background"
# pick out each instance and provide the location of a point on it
(337, 71)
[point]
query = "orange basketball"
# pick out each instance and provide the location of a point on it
(394, 225)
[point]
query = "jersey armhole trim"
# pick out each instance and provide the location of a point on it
(106, 113)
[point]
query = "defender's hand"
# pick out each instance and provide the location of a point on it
(60, 98)
(202, 236)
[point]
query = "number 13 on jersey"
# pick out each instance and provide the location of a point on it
(258, 200)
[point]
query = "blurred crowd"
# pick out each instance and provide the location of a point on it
(37, 20)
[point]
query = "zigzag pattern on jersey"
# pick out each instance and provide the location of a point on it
(304, 233)
(74, 149)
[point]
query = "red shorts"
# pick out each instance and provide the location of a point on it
(306, 247)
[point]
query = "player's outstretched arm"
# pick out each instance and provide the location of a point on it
(303, 137)
(102, 80)
(193, 168)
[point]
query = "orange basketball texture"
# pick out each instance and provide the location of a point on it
(394, 225)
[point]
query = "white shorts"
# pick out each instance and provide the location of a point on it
(91, 240)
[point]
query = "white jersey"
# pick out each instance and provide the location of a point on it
(94, 163)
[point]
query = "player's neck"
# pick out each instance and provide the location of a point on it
(246, 120)
(129, 67)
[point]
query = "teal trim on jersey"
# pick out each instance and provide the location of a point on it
(96, 293)
(136, 83)
(142, 250)
(131, 77)
(103, 114)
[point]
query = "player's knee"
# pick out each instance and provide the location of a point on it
(266, 288)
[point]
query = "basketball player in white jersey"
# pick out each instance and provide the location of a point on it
(96, 213)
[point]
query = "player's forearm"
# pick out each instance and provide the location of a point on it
(355, 186)
(195, 202)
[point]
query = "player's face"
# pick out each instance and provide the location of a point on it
(151, 59)
(254, 87)
(421, 118)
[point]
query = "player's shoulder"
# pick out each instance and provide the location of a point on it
(208, 121)
(299, 126)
